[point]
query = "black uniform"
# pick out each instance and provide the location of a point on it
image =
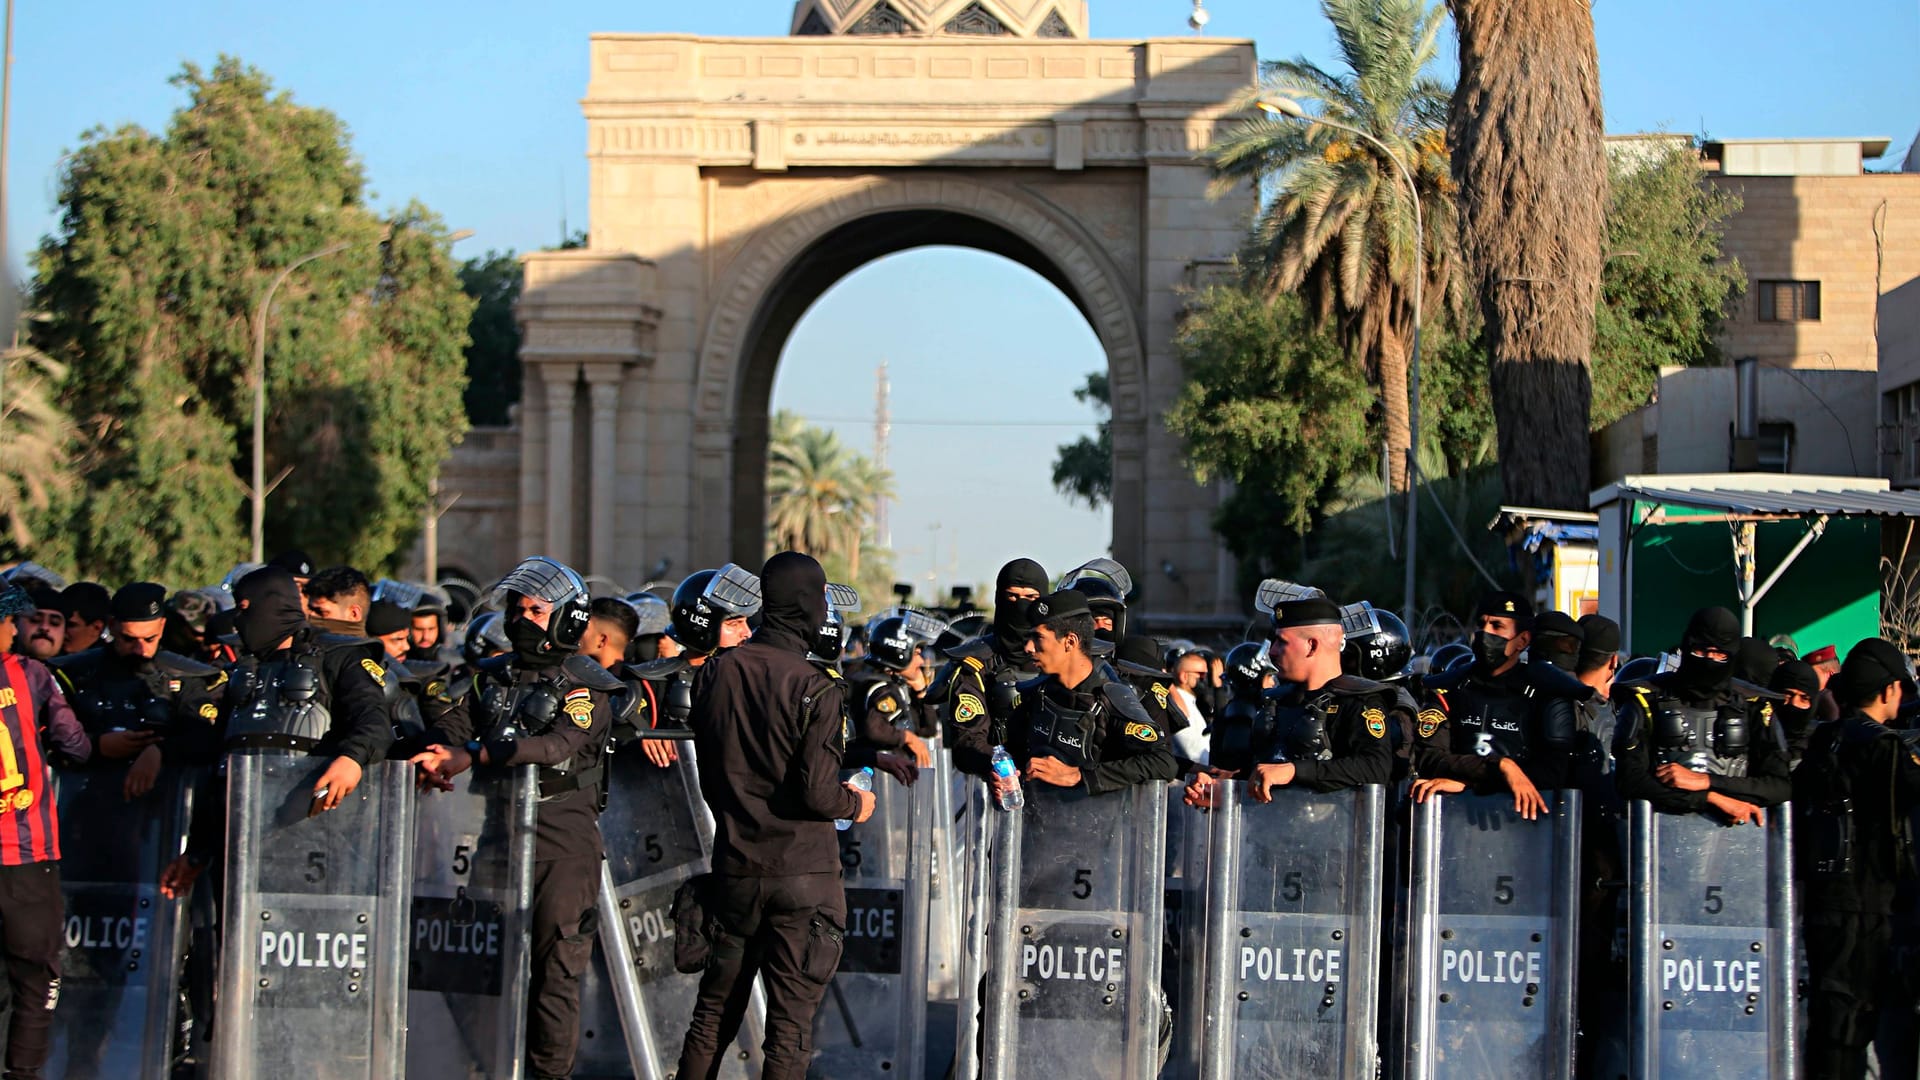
(1336, 737)
(884, 708)
(1098, 727)
(171, 694)
(768, 728)
(1471, 720)
(1716, 731)
(978, 697)
(557, 713)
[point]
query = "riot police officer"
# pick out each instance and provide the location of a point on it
(1500, 723)
(402, 685)
(709, 613)
(1323, 730)
(1105, 584)
(885, 701)
(1074, 726)
(1136, 660)
(1854, 794)
(544, 705)
(1237, 740)
(978, 695)
(1687, 741)
(133, 697)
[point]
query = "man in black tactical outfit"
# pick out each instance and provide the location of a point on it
(883, 693)
(1105, 584)
(1687, 741)
(768, 726)
(1500, 723)
(1075, 726)
(978, 694)
(1854, 794)
(709, 613)
(1237, 740)
(1136, 660)
(293, 688)
(542, 704)
(137, 701)
(1323, 730)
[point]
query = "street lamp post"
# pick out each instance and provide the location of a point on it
(258, 490)
(1288, 107)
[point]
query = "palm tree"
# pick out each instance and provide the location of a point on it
(820, 495)
(36, 440)
(1533, 195)
(1338, 226)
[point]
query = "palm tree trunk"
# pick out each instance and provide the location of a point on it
(1528, 159)
(1393, 398)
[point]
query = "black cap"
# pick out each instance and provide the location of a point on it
(1059, 605)
(88, 600)
(295, 562)
(46, 598)
(1506, 605)
(1558, 622)
(1310, 611)
(385, 617)
(1599, 634)
(1139, 654)
(142, 601)
(1869, 668)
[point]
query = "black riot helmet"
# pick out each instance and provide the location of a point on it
(486, 636)
(1638, 668)
(1247, 667)
(1452, 655)
(1377, 646)
(711, 597)
(831, 640)
(654, 615)
(1105, 584)
(898, 633)
(541, 578)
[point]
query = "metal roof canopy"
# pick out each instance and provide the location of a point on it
(1747, 498)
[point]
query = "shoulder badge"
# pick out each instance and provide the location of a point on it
(1143, 732)
(974, 662)
(378, 674)
(968, 709)
(579, 705)
(1376, 722)
(219, 681)
(1160, 694)
(887, 705)
(1430, 721)
(209, 712)
(436, 688)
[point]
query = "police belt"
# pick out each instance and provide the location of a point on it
(559, 783)
(272, 740)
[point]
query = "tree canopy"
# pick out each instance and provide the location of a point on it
(166, 243)
(1083, 468)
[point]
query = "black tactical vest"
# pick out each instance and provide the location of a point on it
(1703, 738)
(512, 707)
(279, 703)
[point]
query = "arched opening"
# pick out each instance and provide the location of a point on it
(1018, 390)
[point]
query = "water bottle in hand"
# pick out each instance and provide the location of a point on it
(1003, 769)
(861, 780)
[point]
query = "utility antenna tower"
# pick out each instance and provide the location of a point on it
(882, 431)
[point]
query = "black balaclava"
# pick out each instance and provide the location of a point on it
(1010, 621)
(271, 610)
(1755, 660)
(1698, 677)
(793, 602)
(1796, 675)
(529, 641)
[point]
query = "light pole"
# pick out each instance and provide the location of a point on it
(258, 489)
(1281, 106)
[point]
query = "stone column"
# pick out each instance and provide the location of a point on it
(603, 388)
(560, 380)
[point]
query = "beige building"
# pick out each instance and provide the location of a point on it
(1831, 313)
(733, 181)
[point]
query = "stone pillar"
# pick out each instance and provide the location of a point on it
(560, 380)
(603, 388)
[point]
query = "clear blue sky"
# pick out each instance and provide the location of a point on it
(472, 107)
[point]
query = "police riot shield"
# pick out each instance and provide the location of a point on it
(472, 922)
(1183, 954)
(125, 942)
(1486, 976)
(873, 1021)
(973, 830)
(634, 1005)
(1712, 938)
(1074, 944)
(314, 946)
(1293, 933)
(946, 895)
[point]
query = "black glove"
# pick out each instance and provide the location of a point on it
(900, 768)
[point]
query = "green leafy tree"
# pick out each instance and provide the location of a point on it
(165, 244)
(1339, 228)
(1665, 289)
(1083, 471)
(36, 446)
(1271, 405)
(493, 350)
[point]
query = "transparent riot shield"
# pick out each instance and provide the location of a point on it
(873, 1021)
(1183, 956)
(947, 898)
(1293, 933)
(1486, 979)
(634, 1005)
(125, 942)
(973, 829)
(1712, 938)
(313, 963)
(472, 924)
(1074, 946)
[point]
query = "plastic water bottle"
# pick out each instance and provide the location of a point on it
(1003, 769)
(861, 780)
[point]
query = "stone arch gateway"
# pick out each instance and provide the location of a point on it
(734, 180)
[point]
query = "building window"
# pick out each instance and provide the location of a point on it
(1789, 301)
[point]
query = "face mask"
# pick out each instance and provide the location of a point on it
(529, 639)
(1701, 675)
(1490, 649)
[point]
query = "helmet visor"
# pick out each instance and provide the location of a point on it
(1101, 570)
(654, 614)
(539, 578)
(735, 589)
(842, 598)
(1274, 592)
(1357, 620)
(404, 593)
